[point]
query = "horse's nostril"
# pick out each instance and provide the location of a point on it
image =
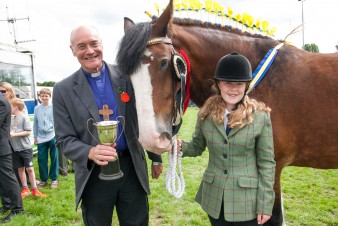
(167, 135)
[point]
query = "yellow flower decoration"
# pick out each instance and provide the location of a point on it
(258, 23)
(230, 12)
(238, 17)
(208, 5)
(272, 31)
(265, 25)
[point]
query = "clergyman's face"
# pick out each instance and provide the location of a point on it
(87, 48)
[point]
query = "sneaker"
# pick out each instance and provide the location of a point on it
(42, 184)
(54, 184)
(25, 192)
(37, 193)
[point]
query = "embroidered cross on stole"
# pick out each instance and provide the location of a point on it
(105, 112)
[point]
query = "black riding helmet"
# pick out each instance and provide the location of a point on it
(233, 67)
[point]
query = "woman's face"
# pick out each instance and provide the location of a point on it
(5, 92)
(231, 92)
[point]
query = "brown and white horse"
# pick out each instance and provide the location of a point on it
(301, 87)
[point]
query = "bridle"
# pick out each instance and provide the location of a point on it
(179, 73)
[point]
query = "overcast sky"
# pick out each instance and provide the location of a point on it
(52, 21)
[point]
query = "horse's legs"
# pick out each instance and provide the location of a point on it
(277, 214)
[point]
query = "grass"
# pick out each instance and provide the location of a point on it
(310, 196)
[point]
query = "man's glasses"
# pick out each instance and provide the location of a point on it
(3, 91)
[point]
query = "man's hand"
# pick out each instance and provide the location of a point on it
(102, 154)
(156, 170)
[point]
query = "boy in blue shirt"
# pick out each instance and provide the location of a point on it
(44, 137)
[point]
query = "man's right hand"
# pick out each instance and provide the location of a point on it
(102, 154)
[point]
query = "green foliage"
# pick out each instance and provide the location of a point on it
(310, 195)
(337, 47)
(311, 48)
(46, 83)
(14, 77)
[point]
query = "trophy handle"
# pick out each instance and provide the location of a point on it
(117, 119)
(91, 119)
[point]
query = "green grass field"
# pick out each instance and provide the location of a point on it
(310, 196)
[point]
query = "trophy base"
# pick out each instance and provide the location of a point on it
(111, 176)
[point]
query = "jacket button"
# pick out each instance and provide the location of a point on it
(225, 156)
(225, 141)
(225, 171)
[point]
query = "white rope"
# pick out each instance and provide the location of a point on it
(172, 176)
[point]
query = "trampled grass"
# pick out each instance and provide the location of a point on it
(310, 196)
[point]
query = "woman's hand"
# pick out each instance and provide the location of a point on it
(262, 218)
(179, 145)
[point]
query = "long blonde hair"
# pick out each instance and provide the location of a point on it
(214, 107)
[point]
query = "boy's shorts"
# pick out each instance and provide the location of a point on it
(23, 159)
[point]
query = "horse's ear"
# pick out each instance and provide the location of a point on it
(128, 23)
(160, 27)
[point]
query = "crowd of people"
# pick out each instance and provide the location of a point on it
(235, 128)
(17, 172)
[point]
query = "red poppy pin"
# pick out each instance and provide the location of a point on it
(124, 96)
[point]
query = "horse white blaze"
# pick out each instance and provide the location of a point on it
(149, 137)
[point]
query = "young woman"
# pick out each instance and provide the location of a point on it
(237, 185)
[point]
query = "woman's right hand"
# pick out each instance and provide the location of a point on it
(179, 144)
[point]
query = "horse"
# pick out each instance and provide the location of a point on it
(300, 87)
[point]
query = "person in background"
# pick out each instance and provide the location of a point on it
(23, 153)
(63, 164)
(77, 99)
(44, 137)
(237, 185)
(9, 93)
(9, 186)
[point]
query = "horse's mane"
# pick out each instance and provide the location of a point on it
(132, 47)
(216, 26)
(134, 42)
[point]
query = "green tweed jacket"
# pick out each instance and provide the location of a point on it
(240, 171)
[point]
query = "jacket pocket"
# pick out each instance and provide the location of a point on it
(208, 177)
(248, 182)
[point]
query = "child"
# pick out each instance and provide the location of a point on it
(44, 137)
(23, 154)
(237, 185)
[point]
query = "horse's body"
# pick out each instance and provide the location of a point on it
(300, 87)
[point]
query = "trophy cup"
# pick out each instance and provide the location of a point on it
(107, 133)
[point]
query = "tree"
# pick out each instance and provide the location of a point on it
(337, 47)
(46, 83)
(311, 48)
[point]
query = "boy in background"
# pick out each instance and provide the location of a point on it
(44, 137)
(23, 154)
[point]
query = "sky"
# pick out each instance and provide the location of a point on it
(50, 24)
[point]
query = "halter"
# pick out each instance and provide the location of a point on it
(179, 72)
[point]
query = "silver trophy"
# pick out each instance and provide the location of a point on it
(107, 133)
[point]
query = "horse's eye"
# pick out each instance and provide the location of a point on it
(164, 64)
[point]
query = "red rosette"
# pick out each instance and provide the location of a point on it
(125, 97)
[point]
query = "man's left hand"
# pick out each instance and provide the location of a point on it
(156, 170)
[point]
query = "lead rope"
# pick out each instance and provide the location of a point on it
(172, 176)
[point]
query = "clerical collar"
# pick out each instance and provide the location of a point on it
(96, 74)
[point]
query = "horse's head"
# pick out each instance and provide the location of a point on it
(147, 55)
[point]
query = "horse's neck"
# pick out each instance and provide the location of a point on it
(205, 46)
(209, 45)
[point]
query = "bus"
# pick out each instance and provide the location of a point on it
(17, 68)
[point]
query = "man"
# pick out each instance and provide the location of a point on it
(79, 98)
(9, 186)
